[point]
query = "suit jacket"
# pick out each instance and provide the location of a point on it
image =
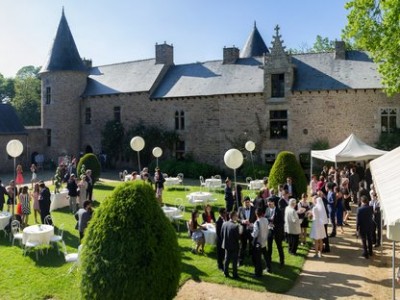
(259, 203)
(282, 205)
(276, 219)
(218, 228)
(230, 236)
(365, 223)
(294, 193)
(203, 215)
(242, 215)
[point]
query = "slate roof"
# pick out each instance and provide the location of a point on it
(321, 71)
(64, 55)
(9, 121)
(254, 46)
(212, 78)
(128, 77)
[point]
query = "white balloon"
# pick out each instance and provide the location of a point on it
(137, 143)
(233, 158)
(157, 152)
(14, 148)
(250, 146)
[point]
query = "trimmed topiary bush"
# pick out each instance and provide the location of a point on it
(130, 248)
(90, 161)
(286, 165)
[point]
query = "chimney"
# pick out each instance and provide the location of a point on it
(164, 54)
(87, 62)
(340, 50)
(231, 55)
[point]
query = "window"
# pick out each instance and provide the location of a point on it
(117, 114)
(270, 157)
(88, 115)
(48, 135)
(277, 85)
(278, 124)
(179, 120)
(48, 95)
(180, 150)
(388, 120)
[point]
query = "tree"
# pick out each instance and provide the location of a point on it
(112, 137)
(27, 96)
(6, 89)
(130, 248)
(286, 165)
(373, 25)
(323, 44)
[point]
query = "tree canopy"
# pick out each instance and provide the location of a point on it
(373, 25)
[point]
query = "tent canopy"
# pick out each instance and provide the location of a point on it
(351, 149)
(385, 172)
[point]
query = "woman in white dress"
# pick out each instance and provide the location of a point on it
(317, 229)
(82, 185)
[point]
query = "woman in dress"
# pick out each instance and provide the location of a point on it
(292, 226)
(196, 232)
(82, 186)
(302, 208)
(339, 208)
(314, 184)
(318, 225)
(35, 197)
(159, 185)
(208, 215)
(34, 174)
(346, 200)
(25, 200)
(229, 201)
(20, 179)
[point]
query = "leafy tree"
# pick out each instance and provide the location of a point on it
(323, 44)
(373, 25)
(286, 165)
(112, 138)
(6, 89)
(130, 248)
(27, 96)
(389, 140)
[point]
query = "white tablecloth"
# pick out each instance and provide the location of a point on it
(171, 181)
(213, 183)
(4, 219)
(210, 234)
(59, 200)
(256, 184)
(199, 197)
(170, 211)
(38, 233)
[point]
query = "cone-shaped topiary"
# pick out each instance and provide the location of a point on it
(90, 161)
(130, 248)
(286, 165)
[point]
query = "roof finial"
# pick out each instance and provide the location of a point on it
(277, 29)
(255, 24)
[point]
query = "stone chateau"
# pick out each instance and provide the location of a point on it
(264, 94)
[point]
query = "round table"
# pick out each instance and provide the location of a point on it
(172, 181)
(4, 219)
(38, 233)
(170, 211)
(199, 197)
(210, 234)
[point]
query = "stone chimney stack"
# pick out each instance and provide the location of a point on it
(340, 50)
(165, 54)
(231, 55)
(87, 62)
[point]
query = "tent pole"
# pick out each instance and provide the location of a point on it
(311, 169)
(394, 272)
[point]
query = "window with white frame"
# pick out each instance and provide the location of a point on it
(388, 120)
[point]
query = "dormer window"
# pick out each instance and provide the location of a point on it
(277, 85)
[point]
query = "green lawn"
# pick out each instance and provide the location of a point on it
(23, 277)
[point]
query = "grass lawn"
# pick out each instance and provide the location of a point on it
(23, 277)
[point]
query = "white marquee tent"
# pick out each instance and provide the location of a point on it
(351, 149)
(385, 172)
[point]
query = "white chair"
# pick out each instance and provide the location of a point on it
(32, 244)
(71, 257)
(16, 233)
(180, 176)
(178, 202)
(165, 175)
(57, 238)
(202, 182)
(179, 216)
(48, 220)
(248, 179)
(217, 176)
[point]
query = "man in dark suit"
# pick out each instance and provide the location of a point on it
(218, 225)
(289, 186)
(272, 196)
(230, 242)
(276, 232)
(247, 217)
(44, 201)
(365, 226)
(283, 201)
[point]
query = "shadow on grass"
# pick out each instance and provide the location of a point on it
(104, 187)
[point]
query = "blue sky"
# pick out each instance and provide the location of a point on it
(116, 31)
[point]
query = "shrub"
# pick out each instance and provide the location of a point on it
(90, 162)
(389, 141)
(285, 166)
(131, 250)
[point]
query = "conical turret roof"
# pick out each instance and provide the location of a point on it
(64, 55)
(255, 45)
